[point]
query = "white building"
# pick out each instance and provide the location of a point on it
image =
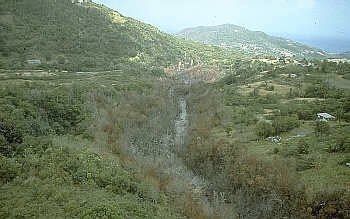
(293, 76)
(34, 61)
(324, 116)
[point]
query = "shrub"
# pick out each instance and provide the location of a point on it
(322, 128)
(228, 131)
(5, 148)
(341, 144)
(245, 116)
(10, 137)
(303, 147)
(347, 76)
(37, 144)
(9, 169)
(317, 89)
(305, 162)
(284, 123)
(264, 129)
(346, 117)
(267, 99)
(11, 132)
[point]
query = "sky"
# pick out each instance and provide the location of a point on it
(301, 20)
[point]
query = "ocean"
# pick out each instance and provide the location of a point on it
(331, 45)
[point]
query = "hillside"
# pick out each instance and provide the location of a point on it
(91, 127)
(86, 130)
(345, 55)
(86, 37)
(254, 43)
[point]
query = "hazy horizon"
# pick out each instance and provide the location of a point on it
(305, 21)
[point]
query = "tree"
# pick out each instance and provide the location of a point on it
(264, 129)
(322, 128)
(61, 60)
(285, 123)
(340, 113)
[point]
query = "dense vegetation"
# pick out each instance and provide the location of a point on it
(151, 138)
(55, 159)
(88, 37)
(105, 140)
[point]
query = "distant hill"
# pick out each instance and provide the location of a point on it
(255, 43)
(345, 55)
(84, 36)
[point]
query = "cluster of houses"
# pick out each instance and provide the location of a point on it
(80, 1)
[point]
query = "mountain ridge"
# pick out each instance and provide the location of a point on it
(256, 43)
(345, 54)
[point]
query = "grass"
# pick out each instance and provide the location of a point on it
(340, 82)
(115, 79)
(327, 170)
(279, 89)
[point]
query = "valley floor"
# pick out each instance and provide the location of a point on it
(117, 145)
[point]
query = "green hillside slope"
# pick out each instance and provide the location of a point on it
(84, 37)
(252, 42)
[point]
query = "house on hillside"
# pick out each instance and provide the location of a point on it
(293, 76)
(34, 61)
(325, 117)
(309, 64)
